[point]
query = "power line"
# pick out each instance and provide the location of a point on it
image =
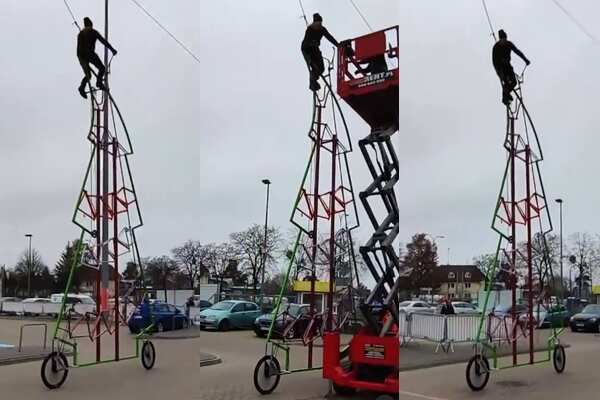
(303, 12)
(575, 21)
(72, 15)
(487, 14)
(361, 15)
(161, 26)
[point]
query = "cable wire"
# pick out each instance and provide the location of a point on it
(72, 15)
(487, 14)
(161, 26)
(303, 12)
(361, 15)
(575, 21)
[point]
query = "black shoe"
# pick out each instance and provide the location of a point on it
(81, 90)
(314, 86)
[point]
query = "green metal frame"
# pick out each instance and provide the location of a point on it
(481, 343)
(143, 336)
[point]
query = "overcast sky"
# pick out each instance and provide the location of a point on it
(204, 134)
(452, 121)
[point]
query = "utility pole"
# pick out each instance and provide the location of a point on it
(29, 236)
(264, 252)
(562, 282)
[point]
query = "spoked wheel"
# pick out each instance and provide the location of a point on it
(55, 369)
(478, 372)
(559, 358)
(267, 374)
(148, 355)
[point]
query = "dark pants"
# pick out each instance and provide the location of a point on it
(85, 62)
(508, 79)
(314, 60)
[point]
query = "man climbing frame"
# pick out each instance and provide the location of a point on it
(86, 53)
(501, 60)
(311, 52)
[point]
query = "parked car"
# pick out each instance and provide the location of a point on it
(555, 317)
(460, 307)
(72, 298)
(410, 307)
(291, 311)
(164, 316)
(229, 314)
(202, 304)
(587, 320)
(506, 310)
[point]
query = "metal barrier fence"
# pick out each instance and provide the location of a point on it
(444, 330)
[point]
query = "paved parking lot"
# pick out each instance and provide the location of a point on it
(177, 374)
(581, 379)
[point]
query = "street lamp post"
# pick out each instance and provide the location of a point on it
(562, 282)
(267, 182)
(29, 236)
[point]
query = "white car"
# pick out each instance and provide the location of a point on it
(417, 306)
(36, 300)
(462, 307)
(73, 299)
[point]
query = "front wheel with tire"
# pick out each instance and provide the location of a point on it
(478, 372)
(224, 325)
(559, 358)
(148, 355)
(55, 369)
(267, 374)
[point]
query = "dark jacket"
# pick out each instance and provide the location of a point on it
(313, 35)
(501, 53)
(86, 42)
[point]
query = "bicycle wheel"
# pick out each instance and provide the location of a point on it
(267, 374)
(559, 358)
(478, 372)
(55, 369)
(148, 355)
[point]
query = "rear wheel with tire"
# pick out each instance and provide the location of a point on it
(267, 374)
(55, 369)
(148, 355)
(559, 358)
(478, 372)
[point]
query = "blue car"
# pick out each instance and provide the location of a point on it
(164, 316)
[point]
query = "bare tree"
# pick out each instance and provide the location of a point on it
(161, 270)
(584, 250)
(221, 260)
(545, 259)
(32, 270)
(250, 245)
(192, 257)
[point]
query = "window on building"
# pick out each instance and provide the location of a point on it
(467, 275)
(468, 285)
(451, 275)
(452, 286)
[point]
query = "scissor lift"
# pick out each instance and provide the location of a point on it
(368, 80)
